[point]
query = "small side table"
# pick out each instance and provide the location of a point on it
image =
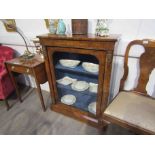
(34, 67)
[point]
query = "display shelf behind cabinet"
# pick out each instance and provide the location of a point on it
(83, 98)
(79, 77)
(68, 88)
(58, 55)
(77, 70)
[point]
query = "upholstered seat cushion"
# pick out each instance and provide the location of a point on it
(133, 108)
(2, 66)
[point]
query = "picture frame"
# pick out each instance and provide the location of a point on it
(47, 23)
(12, 22)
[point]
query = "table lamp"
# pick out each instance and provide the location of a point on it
(27, 54)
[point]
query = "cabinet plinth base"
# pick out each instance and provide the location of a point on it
(77, 114)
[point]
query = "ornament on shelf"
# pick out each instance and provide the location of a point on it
(53, 23)
(102, 27)
(61, 29)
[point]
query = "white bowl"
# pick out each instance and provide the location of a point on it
(93, 87)
(66, 80)
(92, 108)
(90, 67)
(80, 85)
(68, 99)
(69, 63)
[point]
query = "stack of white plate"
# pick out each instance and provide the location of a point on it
(69, 63)
(68, 99)
(80, 85)
(66, 80)
(90, 67)
(92, 108)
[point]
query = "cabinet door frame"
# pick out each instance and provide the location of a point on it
(101, 57)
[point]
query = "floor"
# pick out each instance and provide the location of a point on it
(27, 118)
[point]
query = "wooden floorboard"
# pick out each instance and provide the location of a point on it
(27, 118)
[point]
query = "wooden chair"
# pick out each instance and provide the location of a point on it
(135, 109)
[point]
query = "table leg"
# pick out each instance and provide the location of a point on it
(40, 94)
(7, 105)
(15, 85)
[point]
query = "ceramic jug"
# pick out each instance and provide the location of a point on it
(61, 29)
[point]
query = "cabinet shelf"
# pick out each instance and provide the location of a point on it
(68, 87)
(83, 99)
(77, 70)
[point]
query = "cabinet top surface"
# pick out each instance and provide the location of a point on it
(88, 37)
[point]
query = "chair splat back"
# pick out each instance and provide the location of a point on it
(146, 64)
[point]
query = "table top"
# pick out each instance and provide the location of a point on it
(33, 62)
(88, 37)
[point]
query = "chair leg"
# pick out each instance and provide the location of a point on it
(7, 104)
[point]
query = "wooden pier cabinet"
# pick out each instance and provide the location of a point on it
(86, 48)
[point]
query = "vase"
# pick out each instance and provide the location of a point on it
(61, 29)
(102, 28)
(53, 26)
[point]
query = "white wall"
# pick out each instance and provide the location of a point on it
(129, 29)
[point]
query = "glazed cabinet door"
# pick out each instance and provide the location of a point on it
(77, 76)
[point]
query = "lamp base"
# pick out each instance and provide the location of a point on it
(27, 55)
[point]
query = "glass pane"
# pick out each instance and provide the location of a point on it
(77, 80)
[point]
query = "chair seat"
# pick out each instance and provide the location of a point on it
(134, 109)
